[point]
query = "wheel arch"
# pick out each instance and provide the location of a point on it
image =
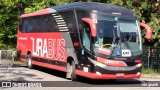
(28, 52)
(70, 58)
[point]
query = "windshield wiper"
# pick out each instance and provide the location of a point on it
(113, 44)
(113, 47)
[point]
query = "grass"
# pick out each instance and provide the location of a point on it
(7, 47)
(149, 71)
(5, 61)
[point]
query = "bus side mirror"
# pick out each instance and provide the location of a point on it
(148, 30)
(92, 26)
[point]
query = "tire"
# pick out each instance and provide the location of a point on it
(71, 71)
(29, 61)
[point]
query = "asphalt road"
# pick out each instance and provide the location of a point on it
(55, 80)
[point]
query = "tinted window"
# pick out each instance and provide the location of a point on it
(81, 14)
(86, 36)
(69, 19)
(24, 25)
(42, 23)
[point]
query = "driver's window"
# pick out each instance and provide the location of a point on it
(86, 36)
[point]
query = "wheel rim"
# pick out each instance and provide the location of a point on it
(29, 62)
(71, 70)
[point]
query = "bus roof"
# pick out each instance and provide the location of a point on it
(39, 12)
(100, 7)
(88, 6)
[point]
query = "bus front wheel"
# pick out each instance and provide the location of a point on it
(71, 71)
(29, 61)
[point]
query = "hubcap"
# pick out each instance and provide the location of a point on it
(71, 69)
(29, 62)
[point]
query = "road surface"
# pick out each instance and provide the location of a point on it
(44, 76)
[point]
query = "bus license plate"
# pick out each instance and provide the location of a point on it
(126, 53)
(119, 74)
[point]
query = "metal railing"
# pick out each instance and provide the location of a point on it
(6, 58)
(151, 57)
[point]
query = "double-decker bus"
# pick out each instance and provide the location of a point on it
(93, 40)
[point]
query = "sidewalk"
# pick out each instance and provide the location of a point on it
(155, 76)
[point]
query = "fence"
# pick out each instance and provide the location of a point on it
(151, 57)
(6, 58)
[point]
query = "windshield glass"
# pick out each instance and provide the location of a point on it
(117, 34)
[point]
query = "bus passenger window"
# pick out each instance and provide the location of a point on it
(86, 37)
(29, 27)
(24, 25)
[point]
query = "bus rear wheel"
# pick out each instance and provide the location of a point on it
(29, 61)
(71, 71)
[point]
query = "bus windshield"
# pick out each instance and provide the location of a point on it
(117, 33)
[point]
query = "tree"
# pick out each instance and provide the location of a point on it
(10, 10)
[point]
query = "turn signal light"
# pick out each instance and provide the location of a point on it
(76, 44)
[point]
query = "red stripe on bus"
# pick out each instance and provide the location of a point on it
(47, 65)
(106, 76)
(22, 60)
(87, 74)
(40, 12)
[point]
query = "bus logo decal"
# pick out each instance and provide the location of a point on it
(22, 38)
(49, 48)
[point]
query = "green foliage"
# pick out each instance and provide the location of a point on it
(145, 10)
(149, 71)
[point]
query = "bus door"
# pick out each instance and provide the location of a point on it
(86, 49)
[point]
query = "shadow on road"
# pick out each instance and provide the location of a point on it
(82, 81)
(13, 74)
(50, 71)
(20, 75)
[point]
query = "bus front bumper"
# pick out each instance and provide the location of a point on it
(102, 71)
(98, 75)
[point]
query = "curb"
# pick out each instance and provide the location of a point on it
(154, 76)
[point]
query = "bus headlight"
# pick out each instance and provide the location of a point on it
(98, 73)
(138, 73)
(139, 65)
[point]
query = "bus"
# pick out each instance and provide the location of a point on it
(88, 39)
